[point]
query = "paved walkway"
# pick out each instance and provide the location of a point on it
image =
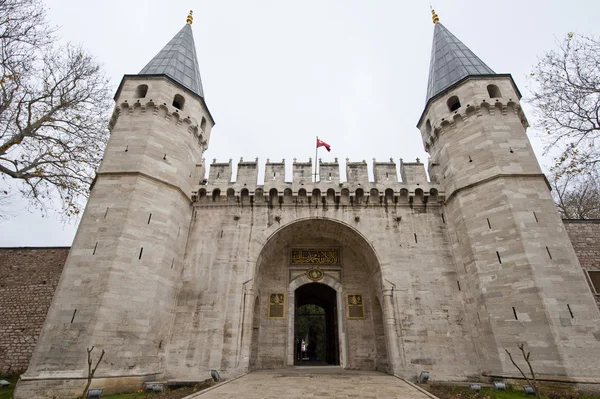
(314, 382)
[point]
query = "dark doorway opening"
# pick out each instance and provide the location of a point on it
(316, 326)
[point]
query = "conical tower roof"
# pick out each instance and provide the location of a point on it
(178, 61)
(451, 61)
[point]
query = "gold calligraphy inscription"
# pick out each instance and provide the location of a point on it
(306, 256)
(355, 306)
(276, 305)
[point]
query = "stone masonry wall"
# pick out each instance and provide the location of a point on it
(584, 237)
(29, 277)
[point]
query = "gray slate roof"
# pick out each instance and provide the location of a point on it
(451, 61)
(178, 61)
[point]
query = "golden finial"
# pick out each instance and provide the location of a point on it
(190, 19)
(434, 16)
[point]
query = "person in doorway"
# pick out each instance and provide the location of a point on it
(312, 350)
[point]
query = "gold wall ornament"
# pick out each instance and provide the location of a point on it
(309, 256)
(276, 305)
(355, 306)
(315, 274)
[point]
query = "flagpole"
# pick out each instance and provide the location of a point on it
(316, 151)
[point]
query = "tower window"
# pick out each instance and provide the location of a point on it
(178, 101)
(141, 91)
(203, 124)
(594, 276)
(453, 103)
(494, 91)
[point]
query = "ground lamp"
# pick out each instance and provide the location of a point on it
(215, 375)
(528, 389)
(94, 393)
(154, 387)
(499, 386)
(424, 377)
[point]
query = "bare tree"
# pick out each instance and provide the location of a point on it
(533, 383)
(54, 104)
(577, 196)
(91, 371)
(566, 99)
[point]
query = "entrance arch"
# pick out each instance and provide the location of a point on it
(346, 263)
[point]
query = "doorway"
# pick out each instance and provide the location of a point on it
(316, 340)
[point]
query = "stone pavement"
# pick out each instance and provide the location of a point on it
(314, 382)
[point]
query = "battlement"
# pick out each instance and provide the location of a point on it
(327, 188)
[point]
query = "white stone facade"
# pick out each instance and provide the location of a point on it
(172, 277)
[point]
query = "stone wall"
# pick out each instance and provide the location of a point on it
(584, 235)
(30, 276)
(28, 279)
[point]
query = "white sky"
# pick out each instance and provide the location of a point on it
(276, 73)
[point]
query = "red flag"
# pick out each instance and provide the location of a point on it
(321, 143)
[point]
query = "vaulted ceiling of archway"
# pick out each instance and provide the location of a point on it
(319, 233)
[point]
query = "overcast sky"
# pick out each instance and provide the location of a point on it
(277, 73)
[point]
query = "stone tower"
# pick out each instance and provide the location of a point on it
(118, 288)
(521, 278)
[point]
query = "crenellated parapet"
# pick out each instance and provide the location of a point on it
(327, 189)
(449, 121)
(150, 108)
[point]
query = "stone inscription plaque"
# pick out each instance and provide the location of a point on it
(355, 306)
(276, 305)
(307, 256)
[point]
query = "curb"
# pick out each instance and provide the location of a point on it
(197, 394)
(418, 388)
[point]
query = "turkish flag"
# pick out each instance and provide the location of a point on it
(321, 143)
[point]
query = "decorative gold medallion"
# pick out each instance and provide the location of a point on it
(355, 306)
(276, 305)
(315, 274)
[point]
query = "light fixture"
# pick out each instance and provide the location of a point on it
(528, 389)
(215, 375)
(154, 387)
(424, 377)
(475, 387)
(94, 393)
(499, 386)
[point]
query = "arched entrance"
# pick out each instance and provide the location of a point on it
(316, 326)
(331, 266)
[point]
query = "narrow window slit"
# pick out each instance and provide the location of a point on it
(416, 238)
(478, 317)
(165, 157)
(221, 233)
(178, 231)
(499, 260)
(548, 250)
(160, 344)
(458, 283)
(149, 218)
(75, 312)
(172, 263)
(95, 246)
(489, 224)
(126, 148)
(141, 251)
(443, 218)
(535, 216)
(106, 213)
(515, 313)
(465, 266)
(470, 160)
(570, 311)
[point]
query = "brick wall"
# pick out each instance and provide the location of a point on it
(585, 237)
(28, 278)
